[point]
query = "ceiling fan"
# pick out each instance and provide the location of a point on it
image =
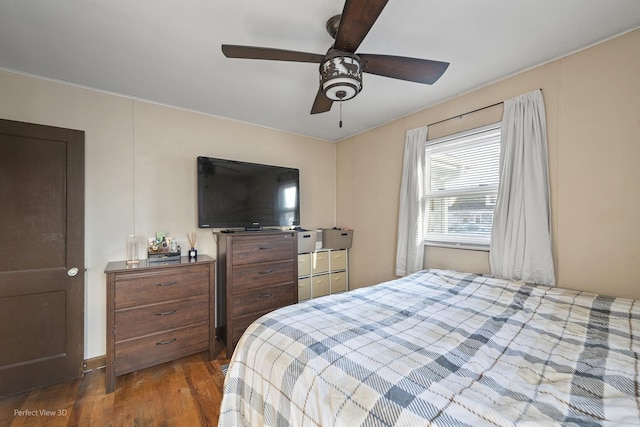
(341, 68)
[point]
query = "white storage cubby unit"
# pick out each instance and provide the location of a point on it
(322, 272)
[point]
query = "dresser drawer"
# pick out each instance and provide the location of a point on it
(149, 319)
(240, 325)
(254, 249)
(159, 348)
(245, 277)
(261, 300)
(133, 289)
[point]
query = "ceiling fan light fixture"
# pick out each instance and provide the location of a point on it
(341, 75)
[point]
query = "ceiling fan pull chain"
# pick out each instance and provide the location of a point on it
(340, 113)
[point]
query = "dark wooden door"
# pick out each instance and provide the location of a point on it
(41, 249)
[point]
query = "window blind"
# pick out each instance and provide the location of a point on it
(462, 175)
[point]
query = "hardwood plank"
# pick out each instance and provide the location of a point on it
(184, 392)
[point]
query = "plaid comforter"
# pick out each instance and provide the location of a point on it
(440, 348)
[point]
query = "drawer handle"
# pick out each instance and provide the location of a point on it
(167, 283)
(266, 272)
(165, 313)
(166, 342)
(263, 296)
(265, 248)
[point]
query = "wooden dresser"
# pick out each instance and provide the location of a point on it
(257, 273)
(157, 312)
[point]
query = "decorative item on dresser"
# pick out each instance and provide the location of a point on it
(157, 312)
(257, 273)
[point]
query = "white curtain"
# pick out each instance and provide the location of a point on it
(521, 236)
(410, 250)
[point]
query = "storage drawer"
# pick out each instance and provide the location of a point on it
(247, 250)
(147, 351)
(338, 260)
(319, 286)
(261, 300)
(149, 319)
(320, 262)
(254, 276)
(338, 282)
(304, 264)
(167, 284)
(304, 289)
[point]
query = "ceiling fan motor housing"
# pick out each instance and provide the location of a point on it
(340, 75)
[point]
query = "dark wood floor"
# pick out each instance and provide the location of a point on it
(186, 392)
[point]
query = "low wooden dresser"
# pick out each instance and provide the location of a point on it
(257, 273)
(158, 312)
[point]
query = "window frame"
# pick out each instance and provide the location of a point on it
(448, 143)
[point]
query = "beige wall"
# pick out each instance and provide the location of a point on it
(592, 101)
(140, 170)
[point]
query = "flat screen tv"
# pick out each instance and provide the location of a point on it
(233, 194)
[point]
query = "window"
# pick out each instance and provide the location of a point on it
(462, 174)
(287, 203)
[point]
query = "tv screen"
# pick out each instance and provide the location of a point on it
(233, 194)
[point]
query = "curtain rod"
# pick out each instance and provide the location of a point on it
(459, 116)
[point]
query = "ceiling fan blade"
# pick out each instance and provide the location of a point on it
(403, 68)
(358, 16)
(321, 104)
(254, 52)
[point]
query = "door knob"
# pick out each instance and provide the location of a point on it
(72, 271)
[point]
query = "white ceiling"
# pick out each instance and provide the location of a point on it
(169, 51)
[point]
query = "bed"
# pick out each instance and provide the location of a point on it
(440, 348)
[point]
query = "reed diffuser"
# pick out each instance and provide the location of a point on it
(192, 238)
